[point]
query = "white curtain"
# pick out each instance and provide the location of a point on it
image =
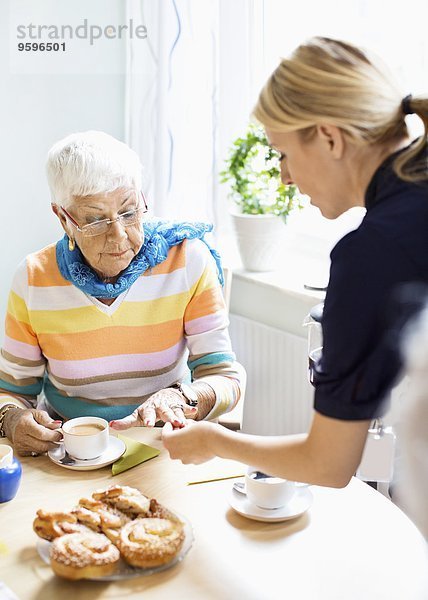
(190, 90)
(172, 104)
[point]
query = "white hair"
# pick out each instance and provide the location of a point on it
(414, 426)
(88, 163)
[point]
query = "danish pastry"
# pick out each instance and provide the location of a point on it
(83, 556)
(127, 499)
(100, 517)
(160, 511)
(150, 542)
(50, 525)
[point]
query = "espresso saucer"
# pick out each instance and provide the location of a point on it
(299, 504)
(114, 451)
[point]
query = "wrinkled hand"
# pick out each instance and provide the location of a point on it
(31, 431)
(166, 405)
(191, 444)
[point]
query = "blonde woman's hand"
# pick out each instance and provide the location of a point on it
(190, 444)
(31, 431)
(167, 405)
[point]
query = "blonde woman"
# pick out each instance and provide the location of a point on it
(338, 122)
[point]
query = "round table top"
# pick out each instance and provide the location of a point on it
(352, 543)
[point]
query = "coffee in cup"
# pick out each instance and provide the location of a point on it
(86, 429)
(86, 438)
(268, 492)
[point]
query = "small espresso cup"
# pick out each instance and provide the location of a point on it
(86, 438)
(268, 492)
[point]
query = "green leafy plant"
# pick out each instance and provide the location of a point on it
(253, 171)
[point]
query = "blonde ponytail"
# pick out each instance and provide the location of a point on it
(412, 164)
(330, 81)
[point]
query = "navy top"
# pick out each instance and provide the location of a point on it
(360, 363)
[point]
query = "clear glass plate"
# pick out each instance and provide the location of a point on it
(125, 571)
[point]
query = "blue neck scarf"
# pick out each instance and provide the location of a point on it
(159, 237)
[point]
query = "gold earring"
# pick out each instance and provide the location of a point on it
(71, 244)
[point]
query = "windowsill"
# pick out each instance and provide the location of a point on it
(279, 298)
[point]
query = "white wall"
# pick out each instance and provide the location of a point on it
(38, 109)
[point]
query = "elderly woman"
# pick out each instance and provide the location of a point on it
(338, 122)
(116, 318)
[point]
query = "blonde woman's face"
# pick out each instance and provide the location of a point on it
(311, 165)
(111, 252)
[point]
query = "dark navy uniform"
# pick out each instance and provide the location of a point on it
(361, 358)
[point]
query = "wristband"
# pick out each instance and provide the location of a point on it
(189, 394)
(3, 410)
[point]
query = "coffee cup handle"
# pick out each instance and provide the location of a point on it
(61, 441)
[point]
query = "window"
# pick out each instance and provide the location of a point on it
(191, 90)
(271, 29)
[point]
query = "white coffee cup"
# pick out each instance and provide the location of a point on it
(268, 492)
(86, 437)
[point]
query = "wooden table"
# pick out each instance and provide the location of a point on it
(352, 544)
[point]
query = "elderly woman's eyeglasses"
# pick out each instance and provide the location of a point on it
(126, 219)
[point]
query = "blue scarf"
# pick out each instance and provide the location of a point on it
(159, 237)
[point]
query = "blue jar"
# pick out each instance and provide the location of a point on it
(10, 474)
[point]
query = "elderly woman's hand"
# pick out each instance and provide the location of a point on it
(31, 431)
(166, 405)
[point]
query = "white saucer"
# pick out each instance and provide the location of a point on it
(298, 505)
(114, 451)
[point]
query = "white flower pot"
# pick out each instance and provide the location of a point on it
(260, 240)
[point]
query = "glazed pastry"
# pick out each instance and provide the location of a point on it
(159, 511)
(83, 556)
(127, 499)
(87, 517)
(150, 542)
(50, 525)
(100, 517)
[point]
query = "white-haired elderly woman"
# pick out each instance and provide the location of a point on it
(123, 318)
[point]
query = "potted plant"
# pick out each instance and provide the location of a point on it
(263, 202)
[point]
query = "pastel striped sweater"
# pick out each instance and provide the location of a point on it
(92, 359)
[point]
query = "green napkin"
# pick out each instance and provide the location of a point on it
(135, 453)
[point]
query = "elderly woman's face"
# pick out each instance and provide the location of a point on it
(111, 252)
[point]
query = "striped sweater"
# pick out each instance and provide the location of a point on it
(92, 359)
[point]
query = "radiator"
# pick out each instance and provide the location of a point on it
(278, 397)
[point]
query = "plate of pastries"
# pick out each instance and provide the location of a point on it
(117, 533)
